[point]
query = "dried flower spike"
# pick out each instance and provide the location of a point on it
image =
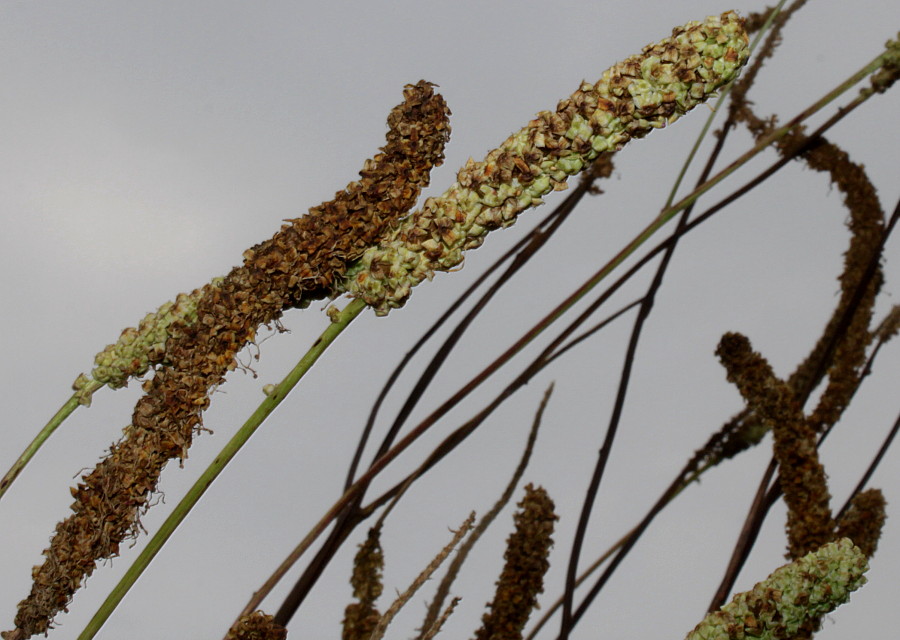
(802, 477)
(361, 617)
(315, 249)
(642, 93)
(794, 594)
(522, 579)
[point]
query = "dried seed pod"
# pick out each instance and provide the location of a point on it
(642, 93)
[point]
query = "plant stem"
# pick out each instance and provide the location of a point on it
(341, 321)
(64, 412)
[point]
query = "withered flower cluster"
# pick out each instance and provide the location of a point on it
(642, 93)
(522, 579)
(300, 263)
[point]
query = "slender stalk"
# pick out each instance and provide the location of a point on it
(64, 412)
(273, 399)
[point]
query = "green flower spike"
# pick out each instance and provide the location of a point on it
(642, 93)
(138, 348)
(807, 588)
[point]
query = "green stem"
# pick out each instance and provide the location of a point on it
(339, 323)
(64, 412)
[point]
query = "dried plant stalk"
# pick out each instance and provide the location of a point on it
(438, 624)
(421, 579)
(300, 263)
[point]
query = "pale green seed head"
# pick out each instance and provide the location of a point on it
(640, 94)
(805, 589)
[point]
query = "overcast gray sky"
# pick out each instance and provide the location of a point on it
(146, 145)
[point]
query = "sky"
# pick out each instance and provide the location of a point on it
(146, 145)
